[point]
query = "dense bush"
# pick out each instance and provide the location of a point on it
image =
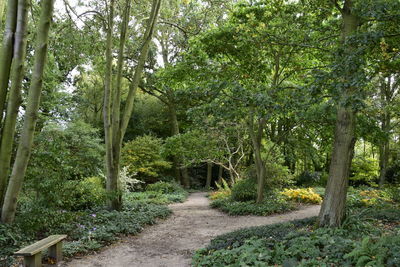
(144, 160)
(244, 190)
(277, 175)
(364, 171)
(271, 205)
(61, 159)
(165, 187)
(308, 178)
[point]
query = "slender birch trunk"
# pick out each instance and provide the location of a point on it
(6, 52)
(334, 204)
(14, 101)
(31, 114)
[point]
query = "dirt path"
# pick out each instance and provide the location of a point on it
(172, 242)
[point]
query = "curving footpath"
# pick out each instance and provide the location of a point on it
(172, 242)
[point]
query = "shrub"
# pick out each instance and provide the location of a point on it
(143, 158)
(308, 178)
(364, 171)
(61, 158)
(90, 193)
(367, 197)
(277, 175)
(271, 205)
(303, 195)
(165, 187)
(244, 190)
(224, 191)
(219, 195)
(129, 183)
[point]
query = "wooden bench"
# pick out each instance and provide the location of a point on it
(33, 253)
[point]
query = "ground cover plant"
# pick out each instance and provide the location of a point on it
(369, 236)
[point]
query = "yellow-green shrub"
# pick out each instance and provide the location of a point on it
(224, 191)
(303, 195)
(220, 194)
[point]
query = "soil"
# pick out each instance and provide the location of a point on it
(171, 243)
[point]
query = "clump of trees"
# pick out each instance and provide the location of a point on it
(225, 89)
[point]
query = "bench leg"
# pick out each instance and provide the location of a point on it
(33, 261)
(55, 251)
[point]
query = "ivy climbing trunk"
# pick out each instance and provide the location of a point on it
(14, 100)
(334, 204)
(6, 55)
(31, 114)
(114, 125)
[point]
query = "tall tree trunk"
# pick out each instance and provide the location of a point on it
(384, 148)
(209, 175)
(220, 173)
(14, 102)
(256, 138)
(180, 172)
(31, 114)
(115, 131)
(334, 204)
(112, 179)
(6, 53)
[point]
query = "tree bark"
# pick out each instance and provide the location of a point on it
(6, 52)
(334, 204)
(14, 101)
(31, 114)
(209, 175)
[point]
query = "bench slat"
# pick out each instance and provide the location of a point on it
(40, 245)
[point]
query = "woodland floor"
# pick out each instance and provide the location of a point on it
(172, 242)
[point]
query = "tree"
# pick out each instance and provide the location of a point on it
(14, 98)
(31, 114)
(114, 125)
